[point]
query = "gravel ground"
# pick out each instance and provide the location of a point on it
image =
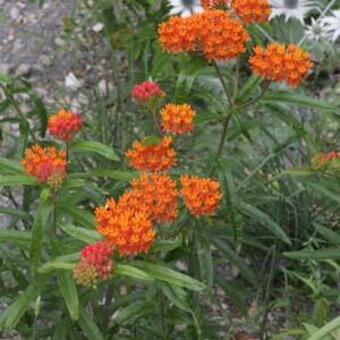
(37, 45)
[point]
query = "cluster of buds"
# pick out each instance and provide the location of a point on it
(95, 264)
(146, 92)
(322, 160)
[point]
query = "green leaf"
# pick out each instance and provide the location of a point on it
(265, 220)
(328, 234)
(118, 175)
(130, 314)
(16, 237)
(163, 273)
(178, 297)
(244, 269)
(18, 180)
(38, 228)
(68, 290)
(14, 313)
(334, 196)
(94, 147)
(327, 329)
(322, 254)
(83, 234)
(79, 215)
(135, 273)
(9, 167)
(15, 212)
(205, 261)
(89, 327)
(66, 262)
(248, 88)
(298, 99)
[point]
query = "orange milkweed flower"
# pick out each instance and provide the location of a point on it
(64, 125)
(281, 64)
(46, 164)
(252, 11)
(221, 37)
(214, 32)
(201, 195)
(177, 119)
(159, 194)
(179, 34)
(127, 228)
(154, 157)
(95, 263)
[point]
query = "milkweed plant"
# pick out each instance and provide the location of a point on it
(111, 241)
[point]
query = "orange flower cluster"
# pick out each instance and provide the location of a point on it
(46, 164)
(64, 125)
(281, 64)
(179, 34)
(201, 196)
(252, 11)
(126, 227)
(208, 4)
(145, 156)
(177, 119)
(159, 194)
(322, 160)
(94, 264)
(215, 32)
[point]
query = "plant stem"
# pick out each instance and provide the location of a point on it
(224, 85)
(162, 315)
(67, 155)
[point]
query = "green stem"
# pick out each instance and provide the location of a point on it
(67, 155)
(162, 316)
(53, 236)
(223, 83)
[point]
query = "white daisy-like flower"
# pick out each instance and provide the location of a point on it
(316, 32)
(332, 24)
(185, 8)
(297, 9)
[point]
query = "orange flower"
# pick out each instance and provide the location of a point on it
(281, 64)
(201, 196)
(208, 4)
(64, 125)
(128, 228)
(297, 63)
(221, 37)
(252, 11)
(151, 156)
(177, 119)
(179, 34)
(47, 165)
(214, 32)
(159, 194)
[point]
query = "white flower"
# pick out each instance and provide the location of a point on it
(71, 82)
(185, 8)
(292, 8)
(332, 24)
(316, 31)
